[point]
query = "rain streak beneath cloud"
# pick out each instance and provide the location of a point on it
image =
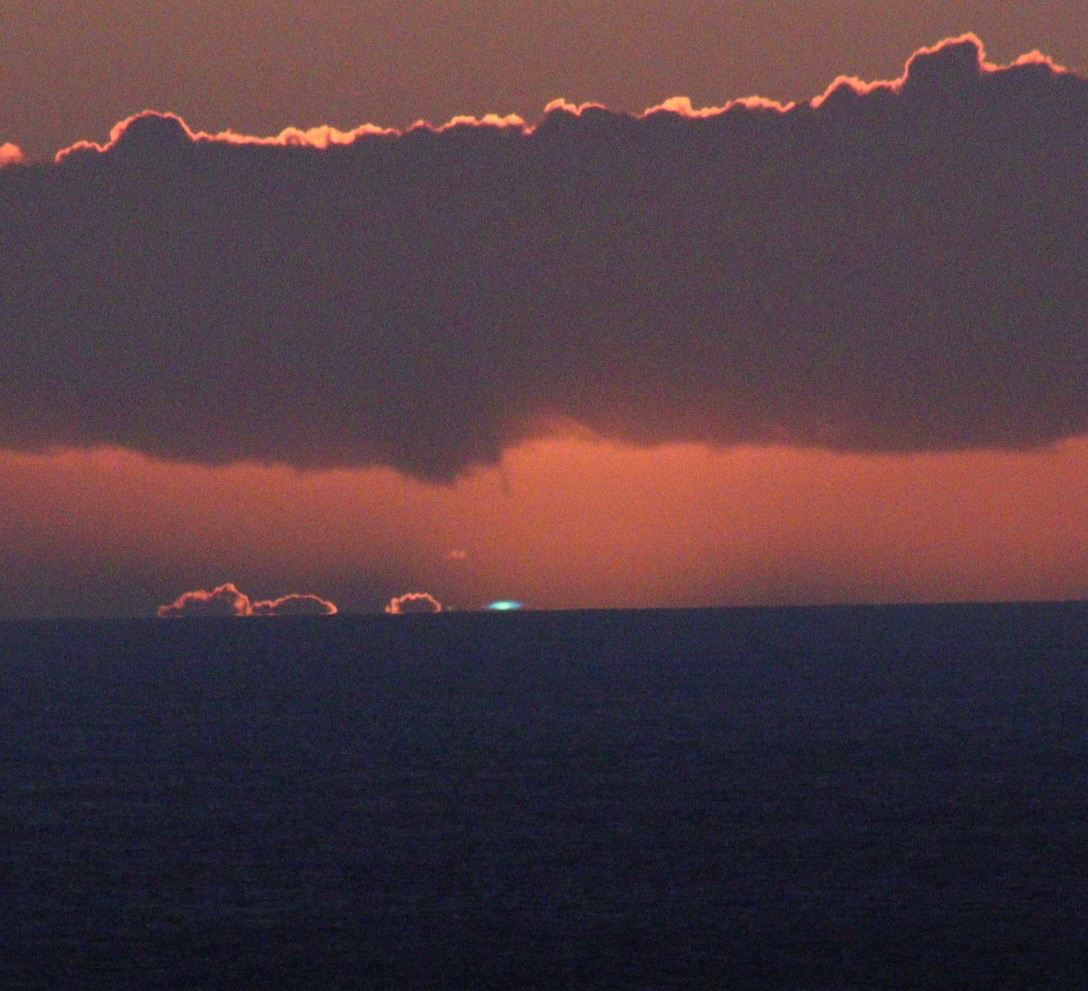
(895, 266)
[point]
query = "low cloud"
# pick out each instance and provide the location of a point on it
(227, 600)
(224, 600)
(413, 602)
(10, 154)
(295, 605)
(891, 266)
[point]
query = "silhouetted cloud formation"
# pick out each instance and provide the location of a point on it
(413, 602)
(295, 605)
(224, 600)
(892, 266)
(227, 600)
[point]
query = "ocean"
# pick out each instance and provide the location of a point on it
(835, 798)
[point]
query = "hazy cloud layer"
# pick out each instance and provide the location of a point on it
(413, 602)
(893, 266)
(227, 600)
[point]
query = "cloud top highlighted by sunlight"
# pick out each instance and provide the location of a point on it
(891, 266)
(227, 600)
(224, 600)
(295, 605)
(413, 602)
(10, 154)
(144, 131)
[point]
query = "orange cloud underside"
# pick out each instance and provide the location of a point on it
(564, 523)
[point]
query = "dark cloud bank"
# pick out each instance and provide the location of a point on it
(891, 267)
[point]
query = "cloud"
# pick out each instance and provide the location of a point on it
(10, 154)
(413, 602)
(152, 129)
(224, 600)
(295, 605)
(891, 266)
(227, 600)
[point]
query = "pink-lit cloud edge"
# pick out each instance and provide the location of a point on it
(228, 600)
(324, 136)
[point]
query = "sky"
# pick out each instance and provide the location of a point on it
(830, 345)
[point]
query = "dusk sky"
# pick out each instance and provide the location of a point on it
(826, 346)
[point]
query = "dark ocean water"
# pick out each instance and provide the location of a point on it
(840, 798)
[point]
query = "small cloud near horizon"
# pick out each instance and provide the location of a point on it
(223, 600)
(295, 605)
(11, 154)
(228, 600)
(413, 602)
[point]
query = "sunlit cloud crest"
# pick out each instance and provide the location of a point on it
(892, 266)
(413, 602)
(227, 600)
